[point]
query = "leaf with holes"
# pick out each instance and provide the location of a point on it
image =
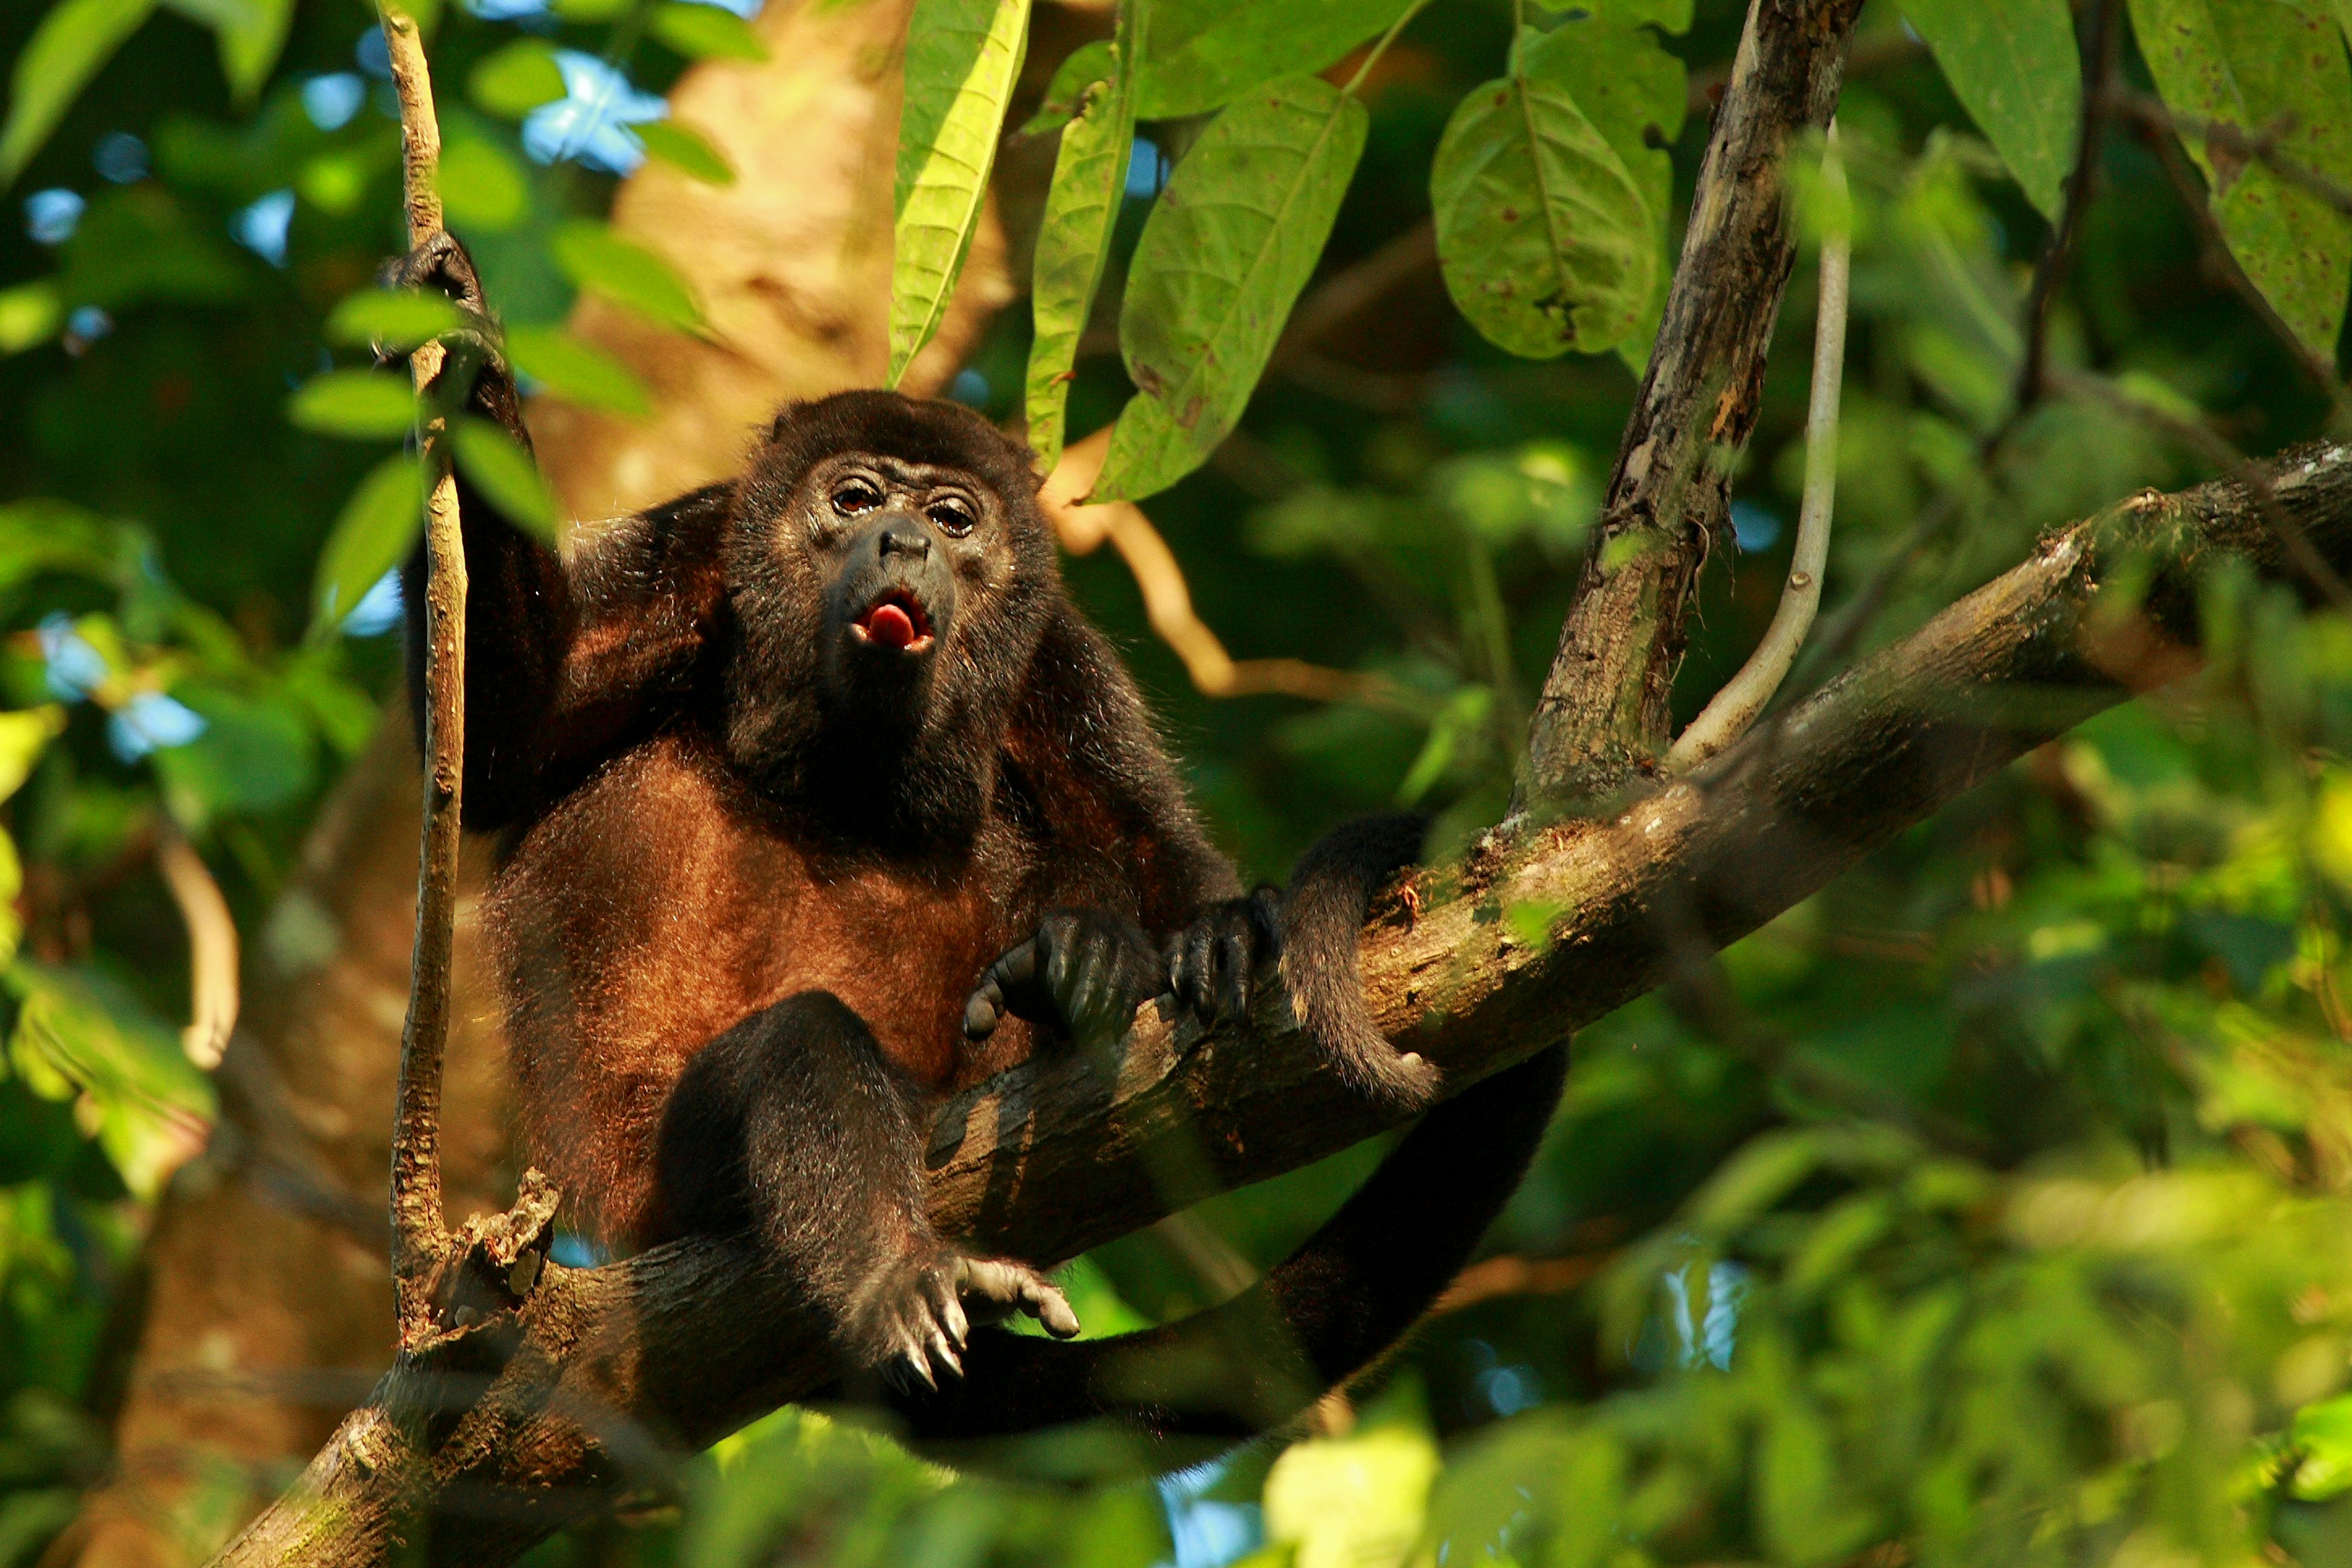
(576, 372)
(374, 533)
(1544, 239)
(2268, 67)
(962, 57)
(65, 51)
(2013, 66)
(1229, 245)
(627, 273)
(1081, 208)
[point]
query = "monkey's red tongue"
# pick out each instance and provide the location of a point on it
(890, 625)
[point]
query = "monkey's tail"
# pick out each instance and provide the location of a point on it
(1352, 1289)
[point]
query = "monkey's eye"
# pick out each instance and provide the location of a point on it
(854, 496)
(952, 517)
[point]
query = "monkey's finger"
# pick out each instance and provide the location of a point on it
(1199, 991)
(942, 1354)
(1042, 1300)
(983, 1008)
(1011, 985)
(1233, 993)
(947, 1311)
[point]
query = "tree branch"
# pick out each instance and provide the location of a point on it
(1603, 716)
(522, 1431)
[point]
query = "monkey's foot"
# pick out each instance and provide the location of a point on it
(926, 1319)
(1214, 963)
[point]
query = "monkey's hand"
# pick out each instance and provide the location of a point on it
(1215, 964)
(926, 1314)
(442, 264)
(1084, 971)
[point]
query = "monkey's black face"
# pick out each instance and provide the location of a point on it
(891, 540)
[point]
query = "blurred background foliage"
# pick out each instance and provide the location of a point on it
(1993, 1206)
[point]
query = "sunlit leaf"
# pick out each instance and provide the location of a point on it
(30, 313)
(962, 57)
(373, 534)
(1545, 242)
(1081, 70)
(1204, 54)
(76, 39)
(626, 273)
(516, 79)
(2323, 1432)
(361, 405)
(575, 371)
(504, 473)
(2013, 66)
(482, 185)
(2267, 66)
(22, 737)
(685, 149)
(1228, 247)
(80, 1036)
(706, 32)
(1351, 1501)
(399, 319)
(1074, 237)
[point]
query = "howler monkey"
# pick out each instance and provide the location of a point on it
(816, 798)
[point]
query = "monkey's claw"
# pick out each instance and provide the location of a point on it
(1086, 971)
(925, 1330)
(1214, 963)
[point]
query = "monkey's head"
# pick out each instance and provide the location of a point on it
(891, 574)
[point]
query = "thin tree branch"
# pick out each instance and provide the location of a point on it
(1603, 716)
(211, 947)
(2082, 185)
(691, 1340)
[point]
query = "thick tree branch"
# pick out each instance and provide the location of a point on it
(507, 1435)
(1602, 715)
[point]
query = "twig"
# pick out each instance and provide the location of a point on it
(420, 1234)
(1733, 708)
(212, 948)
(2082, 185)
(1167, 600)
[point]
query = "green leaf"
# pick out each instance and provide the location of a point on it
(593, 10)
(685, 149)
(1351, 1501)
(81, 1037)
(513, 80)
(2256, 64)
(1229, 245)
(962, 57)
(2323, 1432)
(1085, 66)
(377, 529)
(1636, 95)
(482, 185)
(576, 372)
(1074, 237)
(505, 475)
(361, 405)
(250, 34)
(399, 319)
(627, 273)
(23, 736)
(1544, 241)
(1205, 54)
(66, 50)
(2013, 66)
(706, 32)
(30, 313)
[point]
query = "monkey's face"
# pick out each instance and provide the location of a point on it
(893, 541)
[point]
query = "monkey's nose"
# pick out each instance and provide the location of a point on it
(904, 538)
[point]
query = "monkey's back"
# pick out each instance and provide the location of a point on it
(660, 903)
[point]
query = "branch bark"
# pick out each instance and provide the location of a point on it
(512, 1433)
(1603, 713)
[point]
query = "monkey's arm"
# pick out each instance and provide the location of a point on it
(560, 662)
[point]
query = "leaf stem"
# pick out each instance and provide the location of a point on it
(1382, 48)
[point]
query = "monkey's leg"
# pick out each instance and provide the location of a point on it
(791, 1125)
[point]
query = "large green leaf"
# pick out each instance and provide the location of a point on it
(516, 79)
(250, 34)
(962, 57)
(1636, 95)
(65, 51)
(1229, 245)
(2257, 65)
(360, 405)
(504, 473)
(1544, 241)
(1204, 54)
(377, 529)
(482, 185)
(2013, 66)
(706, 32)
(1081, 208)
(397, 319)
(626, 273)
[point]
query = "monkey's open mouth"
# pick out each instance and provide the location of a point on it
(897, 621)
